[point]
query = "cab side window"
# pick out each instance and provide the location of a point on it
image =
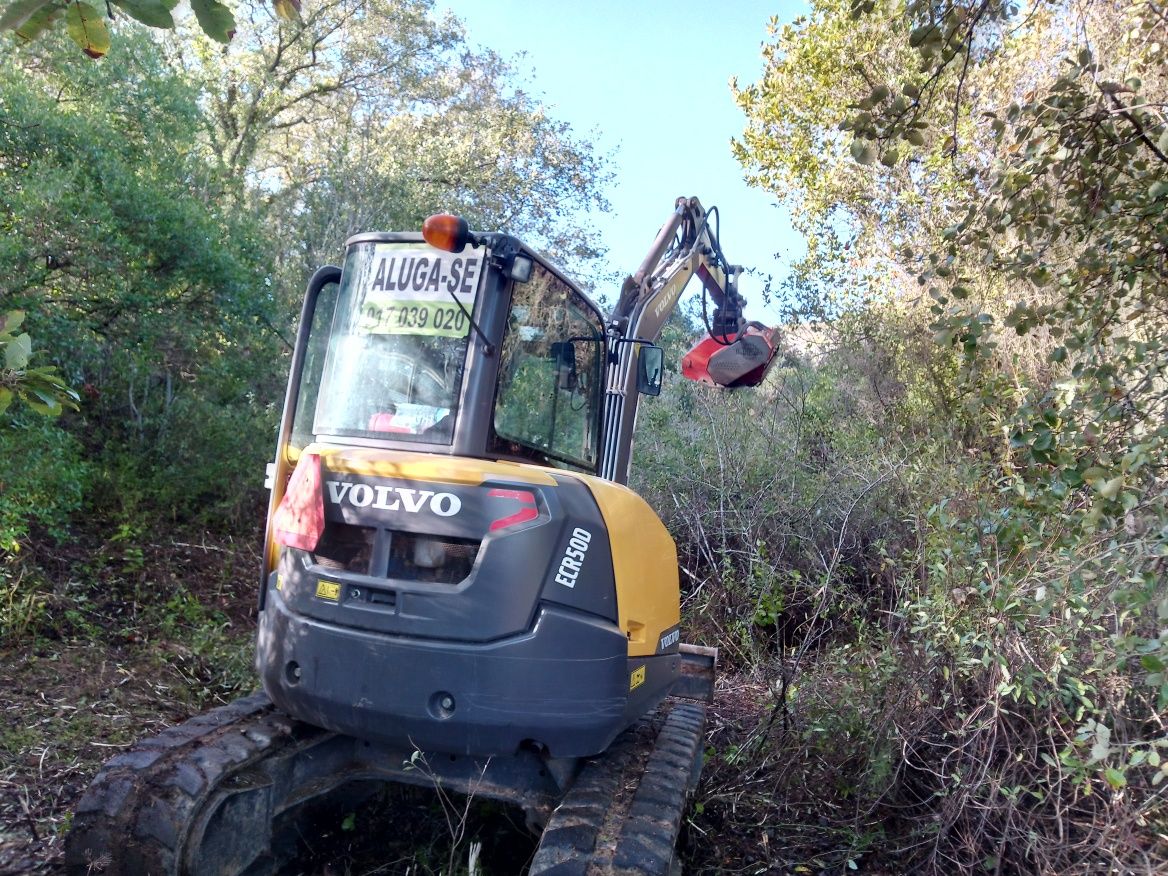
(547, 407)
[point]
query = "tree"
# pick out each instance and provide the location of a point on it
(373, 114)
(150, 293)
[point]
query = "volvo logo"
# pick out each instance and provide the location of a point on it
(387, 498)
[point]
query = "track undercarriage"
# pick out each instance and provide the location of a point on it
(223, 792)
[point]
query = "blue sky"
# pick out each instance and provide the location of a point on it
(650, 79)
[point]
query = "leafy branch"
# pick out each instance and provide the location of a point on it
(86, 25)
(42, 389)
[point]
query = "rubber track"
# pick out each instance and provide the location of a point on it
(648, 834)
(134, 817)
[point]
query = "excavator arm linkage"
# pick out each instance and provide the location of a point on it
(734, 353)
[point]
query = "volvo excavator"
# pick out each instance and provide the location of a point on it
(454, 570)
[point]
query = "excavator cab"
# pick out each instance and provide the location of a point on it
(445, 566)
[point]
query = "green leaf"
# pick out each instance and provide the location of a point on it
(1101, 747)
(5, 398)
(1094, 476)
(11, 321)
(46, 396)
(919, 34)
(1115, 778)
(1109, 489)
(20, 11)
(38, 23)
(215, 19)
(17, 352)
(1040, 277)
(86, 27)
(151, 12)
(49, 408)
(1158, 188)
(862, 152)
(1017, 317)
(1152, 663)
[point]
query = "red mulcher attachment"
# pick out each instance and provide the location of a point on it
(734, 360)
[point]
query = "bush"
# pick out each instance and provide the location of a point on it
(203, 463)
(42, 479)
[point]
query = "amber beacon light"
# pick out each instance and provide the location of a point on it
(446, 231)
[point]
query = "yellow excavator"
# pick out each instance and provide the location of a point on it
(454, 568)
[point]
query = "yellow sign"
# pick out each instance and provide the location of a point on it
(328, 590)
(279, 582)
(440, 318)
(637, 678)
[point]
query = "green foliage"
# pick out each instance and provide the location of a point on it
(42, 480)
(983, 194)
(153, 325)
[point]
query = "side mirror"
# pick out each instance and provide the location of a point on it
(650, 362)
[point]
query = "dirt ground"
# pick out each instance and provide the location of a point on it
(113, 640)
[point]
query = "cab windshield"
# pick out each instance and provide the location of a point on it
(399, 341)
(547, 406)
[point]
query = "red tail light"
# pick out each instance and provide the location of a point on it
(529, 511)
(299, 519)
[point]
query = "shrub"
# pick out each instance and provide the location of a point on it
(42, 479)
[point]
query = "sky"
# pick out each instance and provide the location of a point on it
(650, 79)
